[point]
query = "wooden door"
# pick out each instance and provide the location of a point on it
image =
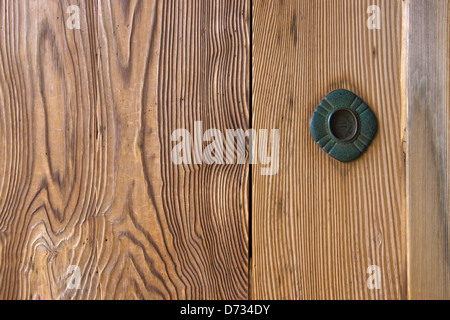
(94, 95)
(321, 227)
(87, 186)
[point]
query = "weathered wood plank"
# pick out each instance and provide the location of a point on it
(52, 168)
(319, 224)
(204, 70)
(86, 118)
(428, 148)
(142, 263)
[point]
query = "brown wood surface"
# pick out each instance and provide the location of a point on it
(319, 224)
(428, 148)
(86, 177)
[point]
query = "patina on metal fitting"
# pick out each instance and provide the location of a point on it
(343, 125)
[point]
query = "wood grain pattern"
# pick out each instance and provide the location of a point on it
(428, 148)
(85, 172)
(206, 73)
(319, 224)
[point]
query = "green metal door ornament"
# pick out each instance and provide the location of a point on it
(343, 125)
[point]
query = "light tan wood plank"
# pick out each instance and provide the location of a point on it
(428, 148)
(319, 224)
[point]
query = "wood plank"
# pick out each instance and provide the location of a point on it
(86, 176)
(204, 70)
(428, 148)
(53, 165)
(142, 264)
(319, 224)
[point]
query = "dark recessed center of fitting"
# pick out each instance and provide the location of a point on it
(343, 124)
